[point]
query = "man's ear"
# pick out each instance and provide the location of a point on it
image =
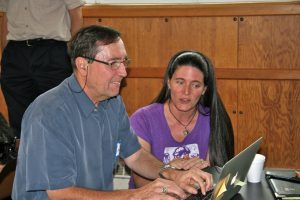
(81, 64)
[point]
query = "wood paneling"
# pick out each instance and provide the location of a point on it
(228, 92)
(255, 49)
(152, 41)
(224, 73)
(271, 109)
(3, 107)
(192, 10)
(269, 42)
(140, 92)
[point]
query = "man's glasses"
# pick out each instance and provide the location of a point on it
(113, 64)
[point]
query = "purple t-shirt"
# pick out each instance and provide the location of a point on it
(150, 124)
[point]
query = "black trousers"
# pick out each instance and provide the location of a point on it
(29, 68)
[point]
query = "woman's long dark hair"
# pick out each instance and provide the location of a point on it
(221, 142)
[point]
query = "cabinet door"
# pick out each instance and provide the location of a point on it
(271, 109)
(269, 42)
(228, 92)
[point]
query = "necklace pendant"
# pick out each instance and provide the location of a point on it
(185, 132)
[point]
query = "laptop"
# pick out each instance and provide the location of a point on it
(229, 179)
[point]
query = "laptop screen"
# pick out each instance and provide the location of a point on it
(230, 179)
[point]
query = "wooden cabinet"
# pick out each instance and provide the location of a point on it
(267, 105)
(270, 108)
(254, 47)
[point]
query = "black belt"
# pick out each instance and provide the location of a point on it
(34, 42)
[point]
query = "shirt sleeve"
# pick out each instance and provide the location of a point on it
(128, 140)
(140, 125)
(71, 4)
(51, 164)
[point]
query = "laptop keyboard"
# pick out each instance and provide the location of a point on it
(200, 196)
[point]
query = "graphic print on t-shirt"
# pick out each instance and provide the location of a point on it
(190, 150)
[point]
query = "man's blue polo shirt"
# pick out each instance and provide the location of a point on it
(67, 141)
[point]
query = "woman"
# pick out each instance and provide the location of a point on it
(187, 121)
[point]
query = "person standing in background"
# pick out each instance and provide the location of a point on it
(34, 43)
(35, 59)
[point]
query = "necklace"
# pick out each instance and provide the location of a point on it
(185, 132)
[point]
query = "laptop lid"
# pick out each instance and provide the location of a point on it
(234, 172)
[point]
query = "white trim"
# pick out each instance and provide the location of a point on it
(180, 1)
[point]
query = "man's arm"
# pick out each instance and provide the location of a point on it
(144, 163)
(139, 180)
(152, 191)
(76, 193)
(76, 19)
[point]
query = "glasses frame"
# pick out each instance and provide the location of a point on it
(125, 62)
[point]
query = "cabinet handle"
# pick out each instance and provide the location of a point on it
(241, 19)
(235, 19)
(99, 20)
(234, 111)
(241, 112)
